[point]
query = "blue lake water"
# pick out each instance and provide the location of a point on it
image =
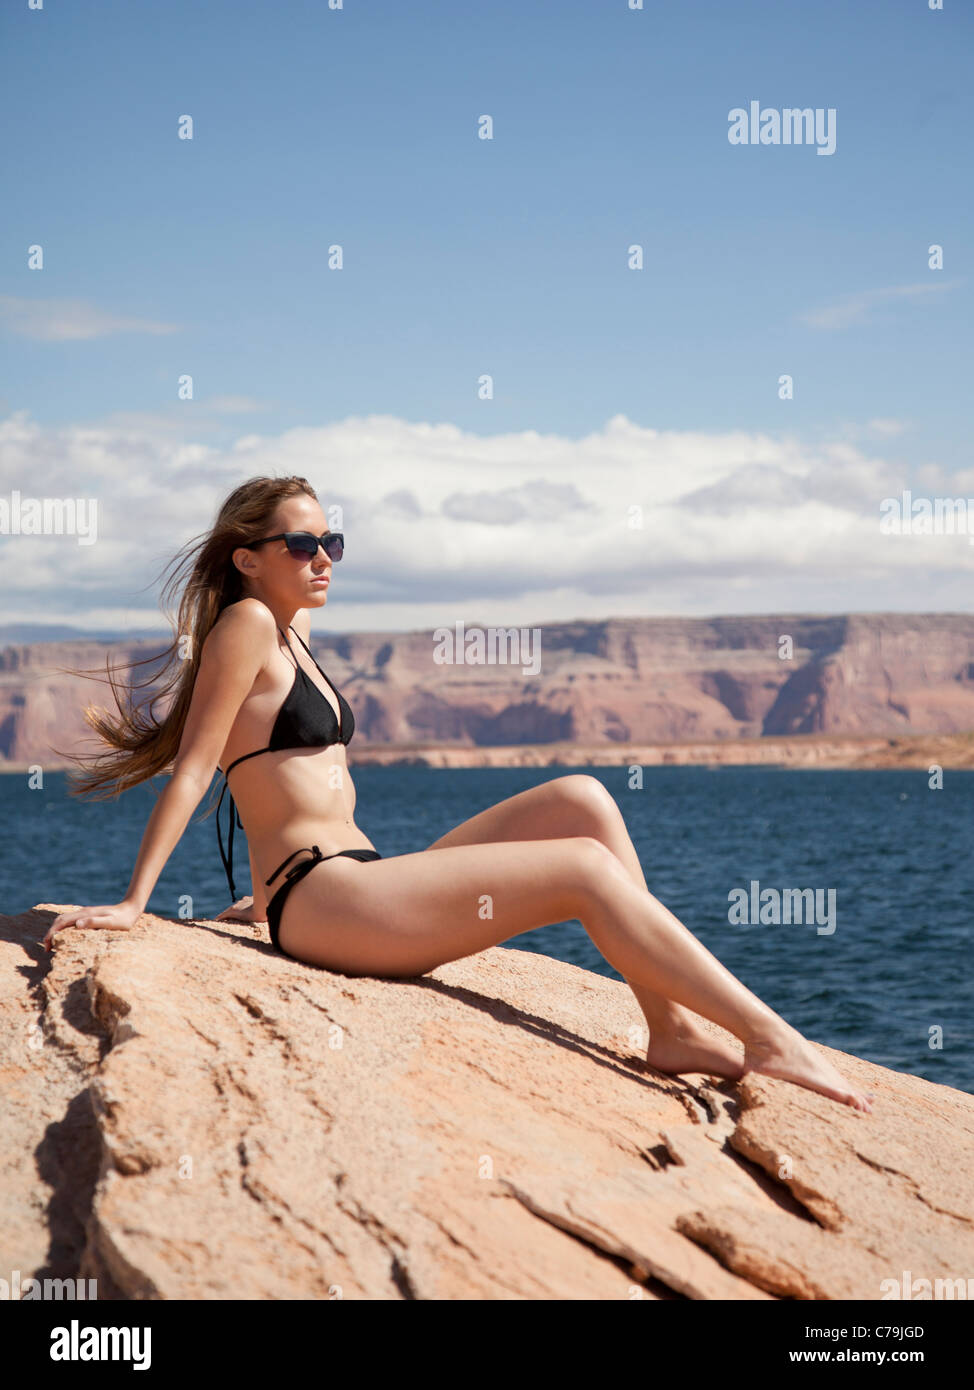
(897, 854)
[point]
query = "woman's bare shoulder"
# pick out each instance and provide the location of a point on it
(247, 620)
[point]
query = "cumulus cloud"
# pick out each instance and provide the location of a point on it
(538, 500)
(442, 524)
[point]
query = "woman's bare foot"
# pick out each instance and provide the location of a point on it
(785, 1054)
(242, 911)
(693, 1050)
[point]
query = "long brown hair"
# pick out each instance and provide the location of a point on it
(140, 744)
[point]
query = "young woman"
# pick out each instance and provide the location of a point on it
(250, 700)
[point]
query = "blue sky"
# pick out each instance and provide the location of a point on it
(462, 256)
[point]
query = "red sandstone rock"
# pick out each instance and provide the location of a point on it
(187, 1114)
(624, 682)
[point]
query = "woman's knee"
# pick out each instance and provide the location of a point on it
(597, 871)
(589, 797)
(592, 859)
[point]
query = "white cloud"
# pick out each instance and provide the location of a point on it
(857, 308)
(198, 416)
(887, 427)
(68, 320)
(442, 524)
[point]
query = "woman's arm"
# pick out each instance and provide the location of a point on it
(252, 908)
(233, 655)
(259, 909)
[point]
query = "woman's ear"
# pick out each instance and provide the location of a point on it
(245, 561)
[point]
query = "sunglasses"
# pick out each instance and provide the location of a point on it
(305, 546)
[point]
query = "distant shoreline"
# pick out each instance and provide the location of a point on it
(920, 751)
(916, 751)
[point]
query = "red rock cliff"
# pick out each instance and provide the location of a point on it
(610, 682)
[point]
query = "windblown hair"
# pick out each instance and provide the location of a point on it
(205, 579)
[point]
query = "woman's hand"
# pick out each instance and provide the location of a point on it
(242, 911)
(117, 917)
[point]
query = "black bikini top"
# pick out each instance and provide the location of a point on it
(305, 720)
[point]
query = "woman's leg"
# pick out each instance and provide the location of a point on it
(578, 804)
(404, 916)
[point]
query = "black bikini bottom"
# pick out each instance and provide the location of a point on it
(276, 905)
